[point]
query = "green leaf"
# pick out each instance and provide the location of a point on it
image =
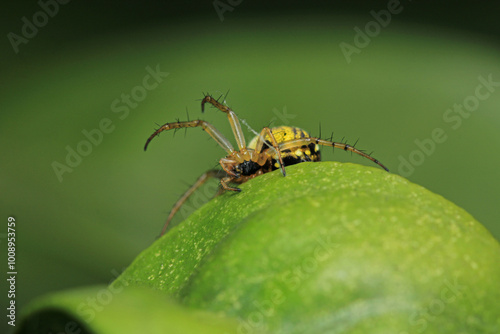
(331, 248)
(119, 309)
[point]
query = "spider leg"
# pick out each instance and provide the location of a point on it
(233, 120)
(213, 173)
(224, 182)
(207, 127)
(227, 165)
(261, 142)
(346, 147)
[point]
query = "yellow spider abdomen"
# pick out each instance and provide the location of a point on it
(282, 134)
(299, 152)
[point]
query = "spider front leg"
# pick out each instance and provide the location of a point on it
(213, 173)
(207, 127)
(233, 120)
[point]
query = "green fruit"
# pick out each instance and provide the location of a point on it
(331, 248)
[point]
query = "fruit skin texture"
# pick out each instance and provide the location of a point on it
(331, 248)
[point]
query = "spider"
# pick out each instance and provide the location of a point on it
(274, 148)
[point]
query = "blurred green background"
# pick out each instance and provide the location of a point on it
(283, 64)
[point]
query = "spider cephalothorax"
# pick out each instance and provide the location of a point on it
(273, 148)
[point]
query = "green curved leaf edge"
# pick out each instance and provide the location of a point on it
(119, 309)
